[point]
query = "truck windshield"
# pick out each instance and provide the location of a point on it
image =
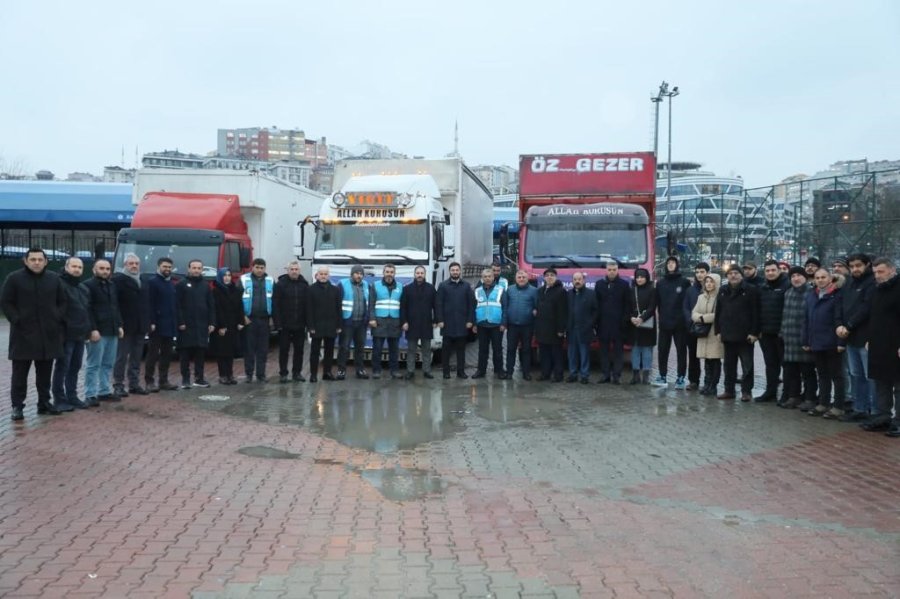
(589, 244)
(180, 255)
(373, 236)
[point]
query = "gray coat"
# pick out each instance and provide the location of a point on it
(792, 318)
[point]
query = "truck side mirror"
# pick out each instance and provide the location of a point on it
(245, 258)
(503, 249)
(449, 247)
(299, 238)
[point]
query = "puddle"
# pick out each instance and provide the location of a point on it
(214, 398)
(261, 451)
(401, 484)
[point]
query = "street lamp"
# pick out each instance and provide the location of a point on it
(663, 89)
(669, 94)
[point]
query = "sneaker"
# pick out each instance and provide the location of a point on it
(854, 417)
(341, 374)
(660, 381)
(138, 391)
(283, 379)
(186, 385)
(680, 384)
(893, 431)
(833, 414)
(63, 406)
(299, 378)
(201, 383)
(818, 410)
(376, 374)
(806, 406)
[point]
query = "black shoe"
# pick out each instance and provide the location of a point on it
(152, 388)
(362, 374)
(138, 391)
(462, 375)
(314, 379)
(48, 410)
(427, 375)
(526, 377)
(853, 417)
(878, 424)
(585, 381)
(397, 375)
(120, 392)
(558, 379)
(299, 378)
(446, 375)
(502, 376)
(17, 414)
(283, 379)
(764, 398)
(375, 375)
(478, 375)
(167, 386)
(341, 375)
(248, 379)
(616, 381)
(77, 403)
(894, 431)
(92, 402)
(262, 380)
(109, 397)
(571, 378)
(604, 380)
(201, 383)
(409, 376)
(63, 406)
(326, 377)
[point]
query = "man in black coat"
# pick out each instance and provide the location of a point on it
(884, 348)
(771, 307)
(163, 326)
(196, 311)
(455, 313)
(323, 315)
(737, 322)
(701, 270)
(106, 330)
(34, 302)
(134, 307)
(670, 290)
(417, 315)
(582, 306)
(751, 274)
(853, 327)
(289, 317)
(550, 325)
(612, 294)
(78, 328)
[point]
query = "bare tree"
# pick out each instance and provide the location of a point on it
(13, 168)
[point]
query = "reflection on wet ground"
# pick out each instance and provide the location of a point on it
(403, 484)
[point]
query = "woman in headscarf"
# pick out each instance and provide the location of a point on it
(224, 341)
(709, 348)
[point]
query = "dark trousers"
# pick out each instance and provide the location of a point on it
(257, 350)
(411, 344)
(454, 345)
(65, 371)
(666, 337)
(693, 371)
(288, 338)
(490, 338)
(315, 347)
(830, 373)
(887, 394)
(355, 331)
(800, 380)
(734, 351)
(393, 344)
(129, 352)
(551, 356)
(712, 371)
(18, 388)
(197, 355)
(773, 353)
(518, 336)
(159, 352)
(612, 354)
(226, 368)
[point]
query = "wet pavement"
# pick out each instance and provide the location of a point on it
(434, 488)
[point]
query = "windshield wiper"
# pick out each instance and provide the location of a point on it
(569, 258)
(606, 257)
(357, 259)
(406, 259)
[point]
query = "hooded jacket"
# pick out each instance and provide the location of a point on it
(771, 304)
(670, 292)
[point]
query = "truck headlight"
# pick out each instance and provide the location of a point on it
(338, 200)
(405, 200)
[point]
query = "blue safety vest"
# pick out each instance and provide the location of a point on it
(488, 307)
(387, 302)
(247, 298)
(347, 301)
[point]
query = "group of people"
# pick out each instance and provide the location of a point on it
(817, 329)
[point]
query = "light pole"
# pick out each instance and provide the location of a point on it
(663, 88)
(669, 94)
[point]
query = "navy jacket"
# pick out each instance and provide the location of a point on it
(856, 305)
(455, 306)
(519, 305)
(582, 315)
(690, 300)
(417, 310)
(163, 314)
(670, 291)
(612, 308)
(818, 326)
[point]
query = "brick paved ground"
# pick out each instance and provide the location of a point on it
(443, 489)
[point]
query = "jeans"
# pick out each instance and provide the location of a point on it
(773, 354)
(551, 355)
(101, 357)
(454, 345)
(295, 338)
(393, 344)
(830, 372)
(666, 337)
(257, 351)
(490, 338)
(861, 387)
(411, 343)
(314, 347)
(641, 357)
(159, 352)
(734, 351)
(129, 352)
(518, 336)
(612, 355)
(18, 388)
(65, 372)
(579, 355)
(355, 331)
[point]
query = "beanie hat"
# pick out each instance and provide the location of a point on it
(733, 267)
(642, 272)
(813, 261)
(797, 270)
(841, 261)
(357, 268)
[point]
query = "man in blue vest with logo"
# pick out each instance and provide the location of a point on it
(257, 298)
(489, 301)
(355, 314)
(384, 308)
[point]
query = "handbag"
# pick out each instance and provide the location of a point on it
(701, 329)
(650, 322)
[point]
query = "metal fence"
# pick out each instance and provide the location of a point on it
(825, 217)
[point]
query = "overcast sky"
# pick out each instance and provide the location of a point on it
(767, 90)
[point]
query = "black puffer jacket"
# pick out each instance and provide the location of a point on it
(670, 292)
(289, 303)
(103, 306)
(771, 304)
(856, 305)
(77, 320)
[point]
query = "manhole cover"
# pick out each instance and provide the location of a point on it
(261, 451)
(214, 397)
